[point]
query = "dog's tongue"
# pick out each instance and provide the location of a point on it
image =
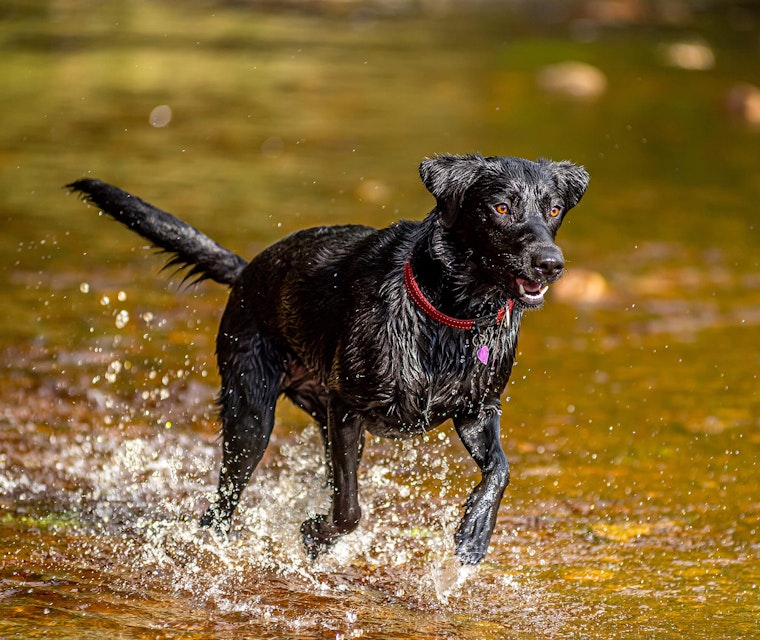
(531, 292)
(529, 287)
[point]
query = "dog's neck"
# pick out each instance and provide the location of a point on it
(447, 278)
(414, 291)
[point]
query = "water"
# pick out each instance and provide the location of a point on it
(633, 413)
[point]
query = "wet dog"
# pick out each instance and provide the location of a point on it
(391, 331)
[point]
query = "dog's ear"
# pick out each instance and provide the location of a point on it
(447, 177)
(571, 180)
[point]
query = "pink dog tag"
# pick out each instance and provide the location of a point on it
(483, 354)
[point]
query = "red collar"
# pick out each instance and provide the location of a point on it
(414, 291)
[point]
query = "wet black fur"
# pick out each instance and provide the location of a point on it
(323, 317)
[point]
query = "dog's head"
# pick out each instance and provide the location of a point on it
(504, 213)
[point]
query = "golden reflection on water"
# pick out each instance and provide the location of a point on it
(632, 418)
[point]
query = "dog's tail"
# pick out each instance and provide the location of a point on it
(190, 248)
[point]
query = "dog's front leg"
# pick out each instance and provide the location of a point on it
(345, 435)
(480, 435)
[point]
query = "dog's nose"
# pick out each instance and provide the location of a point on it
(549, 262)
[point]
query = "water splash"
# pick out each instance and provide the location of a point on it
(448, 574)
(151, 487)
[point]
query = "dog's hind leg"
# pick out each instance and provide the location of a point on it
(480, 436)
(311, 396)
(251, 371)
(345, 440)
(307, 394)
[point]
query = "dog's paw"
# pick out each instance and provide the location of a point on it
(214, 520)
(471, 551)
(471, 540)
(318, 536)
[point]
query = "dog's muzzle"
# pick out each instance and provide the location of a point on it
(547, 265)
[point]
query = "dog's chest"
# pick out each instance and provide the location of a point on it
(418, 374)
(455, 371)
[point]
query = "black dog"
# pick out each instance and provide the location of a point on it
(390, 330)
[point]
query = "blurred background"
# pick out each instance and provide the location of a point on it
(631, 421)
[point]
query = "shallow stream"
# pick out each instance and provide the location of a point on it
(633, 415)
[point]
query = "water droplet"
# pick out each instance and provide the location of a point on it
(161, 116)
(122, 318)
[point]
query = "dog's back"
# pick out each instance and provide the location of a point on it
(312, 288)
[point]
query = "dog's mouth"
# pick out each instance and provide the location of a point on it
(531, 294)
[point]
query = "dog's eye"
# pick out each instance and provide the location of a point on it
(502, 208)
(556, 210)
